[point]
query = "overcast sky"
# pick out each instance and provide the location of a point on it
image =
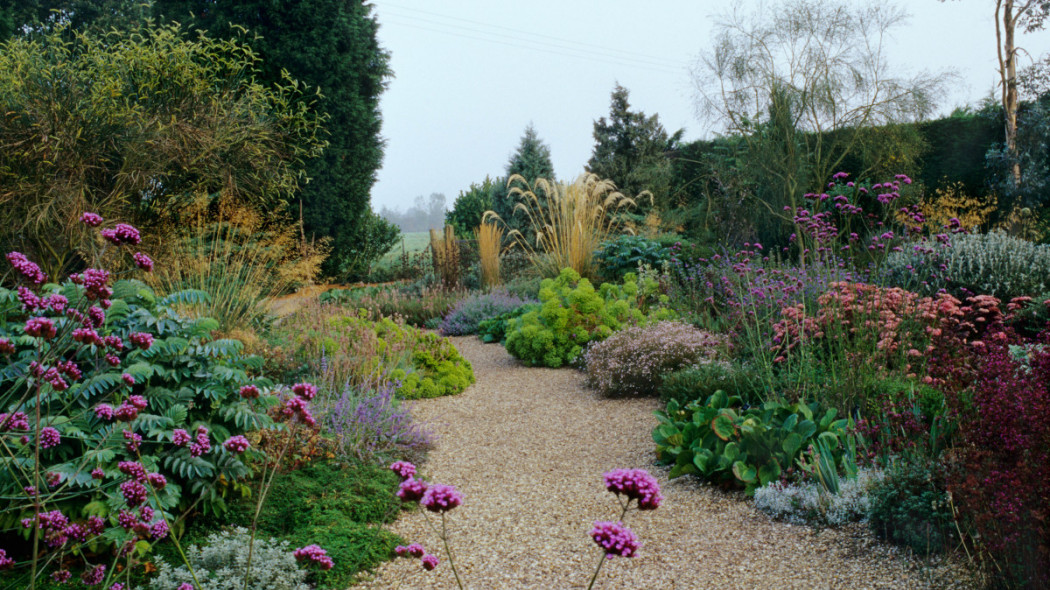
(471, 74)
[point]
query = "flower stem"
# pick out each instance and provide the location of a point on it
(596, 570)
(448, 552)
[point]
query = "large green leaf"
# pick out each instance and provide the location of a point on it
(743, 472)
(723, 427)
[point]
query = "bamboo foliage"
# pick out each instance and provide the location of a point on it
(570, 221)
(489, 237)
(445, 249)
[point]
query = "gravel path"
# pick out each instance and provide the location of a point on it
(527, 448)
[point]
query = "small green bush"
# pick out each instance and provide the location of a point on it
(573, 314)
(626, 253)
(910, 508)
(417, 304)
(701, 381)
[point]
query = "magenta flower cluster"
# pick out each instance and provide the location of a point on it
(636, 484)
(315, 554)
(440, 498)
(403, 469)
(615, 539)
(428, 561)
(236, 444)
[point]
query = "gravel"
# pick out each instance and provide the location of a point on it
(527, 447)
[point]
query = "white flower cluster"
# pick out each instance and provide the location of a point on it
(810, 503)
(221, 564)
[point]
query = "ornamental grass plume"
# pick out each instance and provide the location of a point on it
(570, 221)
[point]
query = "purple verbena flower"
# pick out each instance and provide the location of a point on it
(615, 539)
(440, 498)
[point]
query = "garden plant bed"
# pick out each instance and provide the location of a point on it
(527, 448)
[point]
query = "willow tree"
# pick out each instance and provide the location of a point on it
(804, 84)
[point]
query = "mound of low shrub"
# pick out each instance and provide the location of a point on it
(416, 305)
(339, 349)
(467, 314)
(993, 263)
(494, 329)
(626, 253)
(634, 361)
(222, 562)
(910, 507)
(702, 380)
(573, 314)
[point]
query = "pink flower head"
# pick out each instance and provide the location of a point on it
(134, 493)
(49, 437)
(412, 490)
(404, 469)
(430, 562)
(249, 392)
(113, 360)
(185, 586)
(61, 576)
(133, 441)
(142, 261)
(133, 470)
(158, 530)
(104, 411)
(315, 554)
(6, 347)
(636, 484)
(236, 444)
(40, 328)
(5, 561)
(91, 219)
(97, 473)
(306, 391)
(94, 576)
(29, 270)
(180, 437)
(441, 498)
(30, 300)
(126, 412)
(157, 480)
(128, 378)
(122, 234)
(138, 401)
(143, 340)
(615, 539)
(16, 421)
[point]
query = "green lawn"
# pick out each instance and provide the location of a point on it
(413, 242)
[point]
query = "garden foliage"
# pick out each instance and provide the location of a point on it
(468, 313)
(723, 442)
(701, 381)
(221, 564)
(626, 253)
(573, 314)
(634, 361)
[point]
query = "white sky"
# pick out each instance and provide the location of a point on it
(471, 74)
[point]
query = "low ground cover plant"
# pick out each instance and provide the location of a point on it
(700, 381)
(573, 314)
(494, 329)
(810, 503)
(635, 360)
(419, 305)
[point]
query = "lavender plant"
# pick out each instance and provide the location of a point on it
(467, 314)
(372, 424)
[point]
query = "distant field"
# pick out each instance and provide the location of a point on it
(416, 241)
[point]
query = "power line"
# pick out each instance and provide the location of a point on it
(539, 48)
(560, 48)
(589, 47)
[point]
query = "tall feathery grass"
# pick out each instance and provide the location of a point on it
(445, 249)
(240, 261)
(490, 237)
(570, 221)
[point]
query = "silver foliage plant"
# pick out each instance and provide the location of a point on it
(809, 503)
(220, 565)
(993, 263)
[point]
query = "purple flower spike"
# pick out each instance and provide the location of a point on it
(615, 539)
(636, 484)
(441, 498)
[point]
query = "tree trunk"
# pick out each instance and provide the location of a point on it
(1004, 34)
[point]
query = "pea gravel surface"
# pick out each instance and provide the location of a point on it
(527, 448)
